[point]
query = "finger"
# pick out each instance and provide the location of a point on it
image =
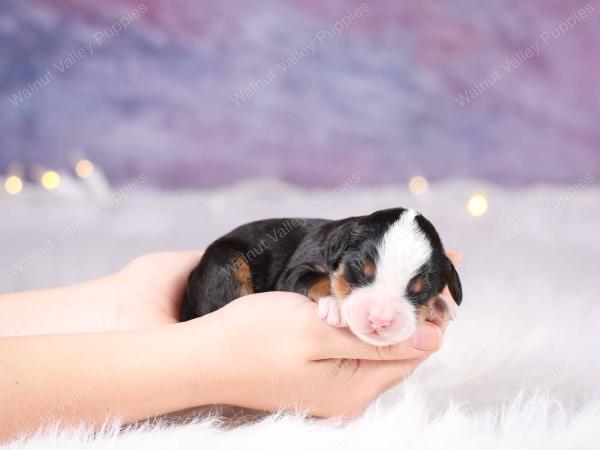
(184, 261)
(179, 264)
(428, 337)
(341, 343)
(455, 257)
(440, 322)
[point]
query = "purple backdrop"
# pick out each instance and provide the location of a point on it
(201, 93)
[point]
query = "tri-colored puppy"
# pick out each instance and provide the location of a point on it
(377, 274)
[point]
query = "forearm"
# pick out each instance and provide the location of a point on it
(89, 378)
(68, 309)
(144, 294)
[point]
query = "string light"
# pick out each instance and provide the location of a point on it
(477, 205)
(84, 168)
(13, 185)
(50, 179)
(418, 185)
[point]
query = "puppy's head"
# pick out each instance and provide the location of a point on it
(388, 271)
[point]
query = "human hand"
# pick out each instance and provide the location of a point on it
(144, 294)
(148, 291)
(267, 351)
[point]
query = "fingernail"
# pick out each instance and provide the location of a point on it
(428, 338)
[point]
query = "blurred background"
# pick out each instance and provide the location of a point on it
(133, 126)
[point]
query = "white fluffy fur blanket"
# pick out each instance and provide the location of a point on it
(520, 366)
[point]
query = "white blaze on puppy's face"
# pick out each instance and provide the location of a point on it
(380, 313)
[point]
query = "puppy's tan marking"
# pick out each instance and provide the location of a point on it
(321, 288)
(243, 276)
(368, 268)
(416, 285)
(426, 310)
(339, 285)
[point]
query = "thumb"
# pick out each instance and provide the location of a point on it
(428, 337)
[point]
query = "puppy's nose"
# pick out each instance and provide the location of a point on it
(378, 323)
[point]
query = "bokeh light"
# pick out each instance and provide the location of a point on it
(50, 179)
(477, 205)
(13, 185)
(84, 168)
(418, 185)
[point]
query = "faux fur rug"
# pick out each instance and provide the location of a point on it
(519, 368)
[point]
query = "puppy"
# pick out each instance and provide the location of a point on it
(378, 274)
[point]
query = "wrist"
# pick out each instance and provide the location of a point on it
(205, 369)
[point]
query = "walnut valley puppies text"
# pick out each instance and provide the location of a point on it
(71, 59)
(298, 54)
(523, 55)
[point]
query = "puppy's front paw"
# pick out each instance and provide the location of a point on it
(330, 311)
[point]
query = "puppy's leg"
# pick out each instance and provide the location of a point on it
(317, 287)
(222, 276)
(331, 312)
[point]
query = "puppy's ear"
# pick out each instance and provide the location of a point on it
(337, 242)
(453, 281)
